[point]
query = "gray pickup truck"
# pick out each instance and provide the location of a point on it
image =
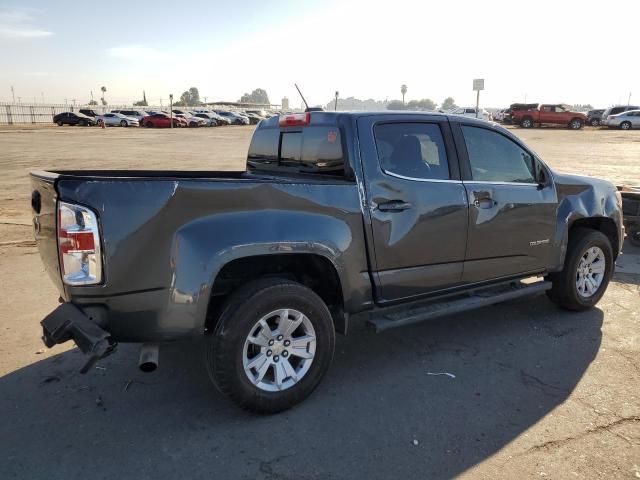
(390, 218)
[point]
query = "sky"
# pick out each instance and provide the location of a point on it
(559, 51)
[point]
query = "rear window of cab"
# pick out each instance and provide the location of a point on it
(310, 150)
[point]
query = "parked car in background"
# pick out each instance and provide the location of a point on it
(71, 118)
(260, 113)
(514, 107)
(625, 120)
(88, 112)
(137, 114)
(192, 121)
(498, 115)
(253, 118)
(552, 114)
(162, 120)
(207, 117)
(616, 110)
(594, 117)
(471, 112)
(117, 120)
(233, 117)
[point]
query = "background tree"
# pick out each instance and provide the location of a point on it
(395, 105)
(448, 103)
(103, 89)
(189, 98)
(424, 104)
(92, 102)
(403, 91)
(259, 95)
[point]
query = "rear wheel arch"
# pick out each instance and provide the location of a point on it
(312, 270)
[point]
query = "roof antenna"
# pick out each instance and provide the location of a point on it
(303, 99)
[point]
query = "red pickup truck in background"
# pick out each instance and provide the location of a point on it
(549, 114)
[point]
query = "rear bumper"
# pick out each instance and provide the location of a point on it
(66, 323)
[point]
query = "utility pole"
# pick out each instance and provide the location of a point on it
(335, 104)
(171, 108)
(629, 100)
(160, 102)
(42, 96)
(19, 99)
(205, 99)
(13, 94)
(91, 97)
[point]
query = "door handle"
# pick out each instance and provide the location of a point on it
(484, 202)
(394, 206)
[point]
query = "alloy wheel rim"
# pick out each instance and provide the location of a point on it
(279, 350)
(590, 272)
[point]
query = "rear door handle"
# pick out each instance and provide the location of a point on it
(394, 206)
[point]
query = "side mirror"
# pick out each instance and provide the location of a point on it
(541, 176)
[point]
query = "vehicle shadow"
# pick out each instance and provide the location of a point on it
(510, 365)
(628, 265)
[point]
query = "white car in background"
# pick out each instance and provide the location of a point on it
(471, 112)
(117, 120)
(137, 114)
(625, 120)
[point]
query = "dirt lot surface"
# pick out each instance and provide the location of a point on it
(537, 393)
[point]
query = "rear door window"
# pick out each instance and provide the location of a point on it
(412, 150)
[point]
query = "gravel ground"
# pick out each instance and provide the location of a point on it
(537, 393)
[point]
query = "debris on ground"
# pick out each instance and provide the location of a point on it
(442, 373)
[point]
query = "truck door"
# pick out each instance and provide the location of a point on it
(512, 205)
(417, 204)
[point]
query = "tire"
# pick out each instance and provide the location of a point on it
(625, 126)
(634, 235)
(595, 122)
(59, 123)
(124, 123)
(526, 122)
(576, 124)
(565, 290)
(227, 349)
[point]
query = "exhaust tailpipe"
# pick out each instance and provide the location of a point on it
(148, 357)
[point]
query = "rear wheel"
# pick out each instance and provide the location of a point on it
(587, 270)
(575, 124)
(625, 125)
(594, 122)
(272, 345)
(526, 122)
(59, 123)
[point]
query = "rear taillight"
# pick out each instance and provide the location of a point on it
(294, 119)
(78, 245)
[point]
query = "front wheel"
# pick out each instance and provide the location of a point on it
(587, 270)
(272, 345)
(59, 123)
(594, 122)
(123, 123)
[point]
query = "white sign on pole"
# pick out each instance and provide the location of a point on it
(478, 83)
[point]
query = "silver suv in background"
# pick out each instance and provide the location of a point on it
(625, 120)
(616, 110)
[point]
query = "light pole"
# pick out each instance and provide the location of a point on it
(13, 94)
(171, 108)
(335, 105)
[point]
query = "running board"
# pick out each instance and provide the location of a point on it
(394, 317)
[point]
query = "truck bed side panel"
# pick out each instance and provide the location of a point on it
(164, 241)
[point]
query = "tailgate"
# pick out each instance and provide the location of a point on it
(43, 209)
